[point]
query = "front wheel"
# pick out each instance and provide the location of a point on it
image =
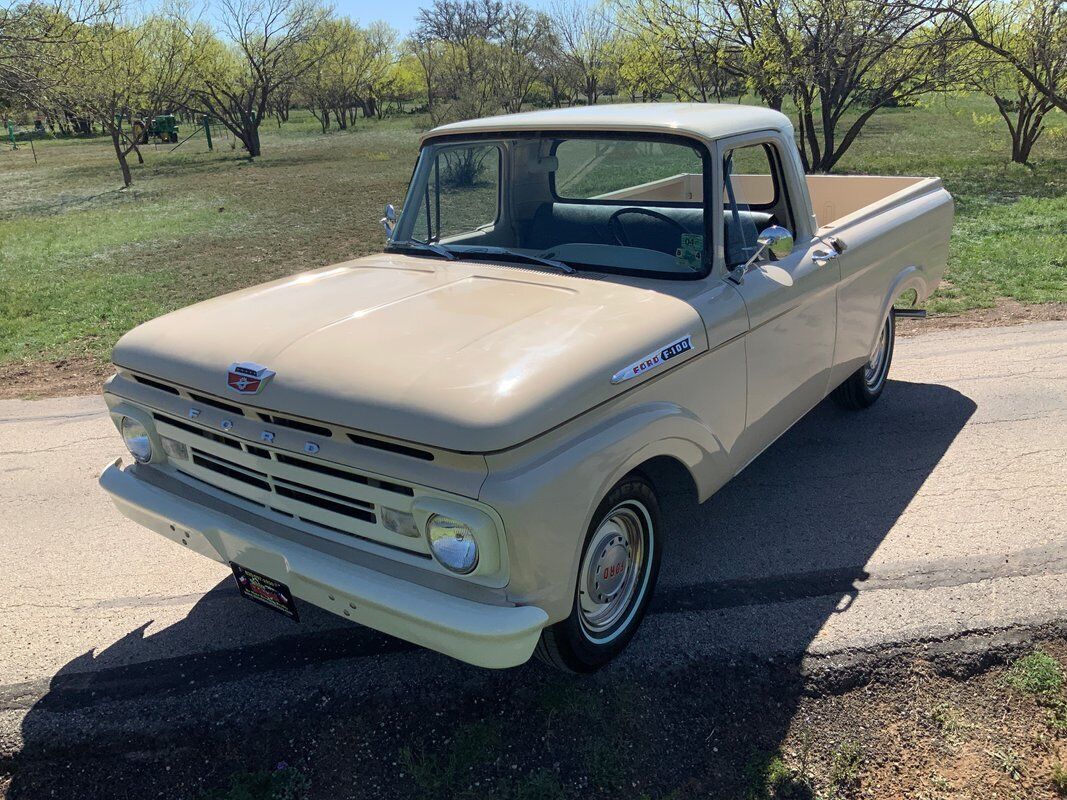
(865, 385)
(617, 573)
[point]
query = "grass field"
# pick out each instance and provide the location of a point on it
(82, 262)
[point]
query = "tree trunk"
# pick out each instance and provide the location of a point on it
(127, 178)
(250, 137)
(324, 119)
(133, 146)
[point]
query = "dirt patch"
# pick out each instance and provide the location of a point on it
(31, 380)
(1006, 312)
(933, 736)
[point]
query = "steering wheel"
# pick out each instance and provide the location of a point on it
(618, 231)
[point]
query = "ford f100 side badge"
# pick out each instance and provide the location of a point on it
(248, 378)
(654, 359)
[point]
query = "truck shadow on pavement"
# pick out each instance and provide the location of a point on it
(707, 689)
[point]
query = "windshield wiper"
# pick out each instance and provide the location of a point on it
(428, 247)
(474, 252)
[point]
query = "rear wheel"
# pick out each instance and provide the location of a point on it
(866, 384)
(616, 576)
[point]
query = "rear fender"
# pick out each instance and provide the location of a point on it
(910, 277)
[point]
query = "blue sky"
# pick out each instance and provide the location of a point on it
(398, 13)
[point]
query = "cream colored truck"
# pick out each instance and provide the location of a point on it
(461, 441)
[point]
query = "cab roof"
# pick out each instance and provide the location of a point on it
(700, 120)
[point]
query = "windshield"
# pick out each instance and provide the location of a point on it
(609, 203)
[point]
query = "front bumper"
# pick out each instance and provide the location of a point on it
(479, 633)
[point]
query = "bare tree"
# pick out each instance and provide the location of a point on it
(168, 60)
(479, 55)
(525, 42)
(263, 52)
(558, 77)
(34, 41)
(456, 35)
(844, 60)
(995, 26)
(349, 66)
(1028, 31)
(691, 43)
(84, 64)
(584, 33)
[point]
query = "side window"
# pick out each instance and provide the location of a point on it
(754, 197)
(462, 194)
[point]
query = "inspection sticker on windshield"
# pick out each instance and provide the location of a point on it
(690, 252)
(654, 359)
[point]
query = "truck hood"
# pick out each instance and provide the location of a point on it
(458, 355)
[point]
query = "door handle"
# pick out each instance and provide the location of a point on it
(823, 257)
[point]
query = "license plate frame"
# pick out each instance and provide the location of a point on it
(266, 591)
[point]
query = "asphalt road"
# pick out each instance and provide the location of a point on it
(939, 512)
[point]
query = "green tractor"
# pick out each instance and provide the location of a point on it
(164, 128)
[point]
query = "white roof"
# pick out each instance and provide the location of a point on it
(702, 120)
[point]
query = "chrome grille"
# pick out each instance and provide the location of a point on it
(272, 418)
(320, 494)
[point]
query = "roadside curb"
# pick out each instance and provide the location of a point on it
(959, 657)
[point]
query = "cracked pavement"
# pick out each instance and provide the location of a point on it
(938, 513)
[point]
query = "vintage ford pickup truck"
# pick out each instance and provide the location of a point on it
(462, 441)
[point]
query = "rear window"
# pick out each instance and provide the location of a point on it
(619, 169)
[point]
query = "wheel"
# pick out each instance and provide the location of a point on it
(865, 385)
(619, 566)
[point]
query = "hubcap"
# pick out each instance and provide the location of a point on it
(612, 570)
(875, 371)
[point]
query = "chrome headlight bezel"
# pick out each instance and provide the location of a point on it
(137, 439)
(453, 544)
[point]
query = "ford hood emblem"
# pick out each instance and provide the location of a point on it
(246, 377)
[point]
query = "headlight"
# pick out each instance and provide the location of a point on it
(136, 437)
(452, 544)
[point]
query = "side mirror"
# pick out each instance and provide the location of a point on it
(389, 220)
(775, 241)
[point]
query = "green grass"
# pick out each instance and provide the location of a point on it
(1011, 220)
(768, 777)
(949, 722)
(1058, 779)
(438, 768)
(282, 783)
(81, 263)
(1037, 674)
(846, 764)
(88, 276)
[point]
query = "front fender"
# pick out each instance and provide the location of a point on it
(548, 492)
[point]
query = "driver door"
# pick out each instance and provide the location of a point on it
(791, 302)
